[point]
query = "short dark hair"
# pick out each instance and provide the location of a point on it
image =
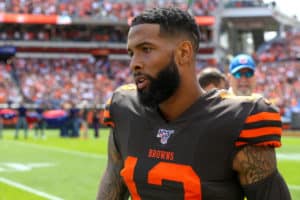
(210, 76)
(172, 21)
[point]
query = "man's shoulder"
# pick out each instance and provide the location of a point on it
(125, 92)
(124, 99)
(225, 94)
(255, 101)
(126, 88)
(124, 96)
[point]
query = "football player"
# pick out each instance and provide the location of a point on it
(172, 140)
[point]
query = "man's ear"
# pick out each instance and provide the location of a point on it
(184, 53)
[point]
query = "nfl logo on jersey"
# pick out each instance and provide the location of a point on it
(164, 135)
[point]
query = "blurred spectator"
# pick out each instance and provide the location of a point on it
(40, 124)
(211, 78)
(64, 127)
(73, 123)
(84, 121)
(96, 123)
(22, 122)
(241, 75)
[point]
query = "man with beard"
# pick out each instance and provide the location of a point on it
(242, 75)
(172, 140)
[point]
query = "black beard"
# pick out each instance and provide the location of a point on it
(162, 87)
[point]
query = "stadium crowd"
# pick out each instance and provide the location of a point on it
(74, 33)
(114, 10)
(64, 33)
(54, 81)
(279, 70)
(280, 83)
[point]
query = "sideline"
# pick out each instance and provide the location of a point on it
(288, 156)
(29, 189)
(294, 187)
(73, 152)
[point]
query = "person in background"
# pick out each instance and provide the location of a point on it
(22, 122)
(211, 78)
(170, 139)
(84, 121)
(96, 123)
(74, 121)
(241, 75)
(65, 124)
(40, 124)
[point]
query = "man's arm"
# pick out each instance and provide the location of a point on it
(112, 186)
(258, 175)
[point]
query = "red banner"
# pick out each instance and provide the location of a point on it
(33, 19)
(205, 20)
(56, 19)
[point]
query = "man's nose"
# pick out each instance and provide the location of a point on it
(135, 64)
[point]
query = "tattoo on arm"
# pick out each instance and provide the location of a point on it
(112, 186)
(254, 163)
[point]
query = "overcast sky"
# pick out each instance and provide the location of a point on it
(288, 7)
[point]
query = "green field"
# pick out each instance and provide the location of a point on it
(58, 168)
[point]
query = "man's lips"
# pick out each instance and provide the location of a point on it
(141, 81)
(244, 86)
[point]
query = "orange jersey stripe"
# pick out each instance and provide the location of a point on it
(111, 124)
(270, 143)
(267, 143)
(257, 132)
(106, 114)
(128, 174)
(238, 144)
(263, 116)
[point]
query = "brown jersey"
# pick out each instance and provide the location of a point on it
(191, 157)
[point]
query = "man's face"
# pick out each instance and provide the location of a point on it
(152, 63)
(242, 82)
(161, 87)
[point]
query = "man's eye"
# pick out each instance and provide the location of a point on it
(147, 49)
(130, 53)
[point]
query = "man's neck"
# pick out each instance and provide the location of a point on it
(180, 102)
